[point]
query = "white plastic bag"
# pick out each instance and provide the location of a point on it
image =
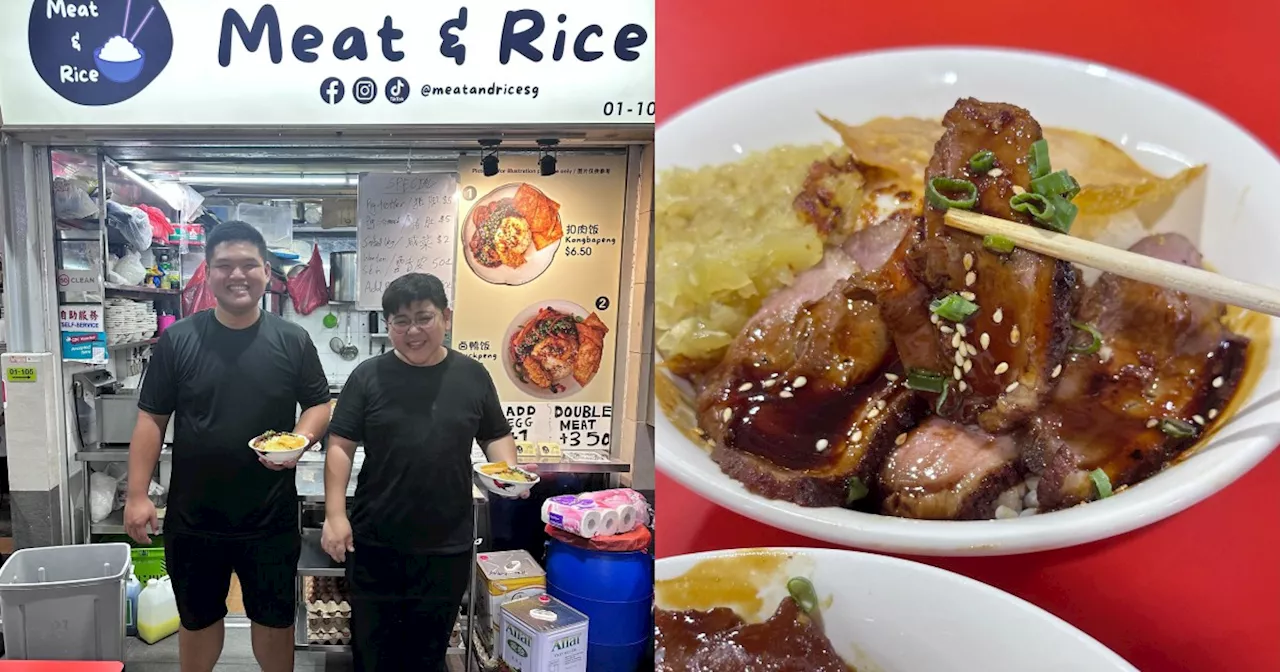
(102, 496)
(71, 200)
(130, 268)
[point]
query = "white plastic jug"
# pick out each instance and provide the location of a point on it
(157, 611)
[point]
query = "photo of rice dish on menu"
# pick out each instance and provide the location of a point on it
(512, 233)
(554, 348)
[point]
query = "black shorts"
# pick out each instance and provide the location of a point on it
(403, 607)
(201, 567)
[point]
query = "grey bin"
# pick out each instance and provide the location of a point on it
(65, 602)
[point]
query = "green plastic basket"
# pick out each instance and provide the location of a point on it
(148, 563)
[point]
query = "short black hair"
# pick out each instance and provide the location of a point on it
(234, 231)
(411, 288)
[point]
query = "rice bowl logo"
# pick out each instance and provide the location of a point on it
(101, 52)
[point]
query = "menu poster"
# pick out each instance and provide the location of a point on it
(406, 223)
(537, 295)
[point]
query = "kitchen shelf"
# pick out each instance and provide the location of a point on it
(314, 561)
(133, 344)
(302, 639)
(115, 455)
(114, 523)
(140, 291)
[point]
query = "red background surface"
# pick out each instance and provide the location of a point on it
(1199, 591)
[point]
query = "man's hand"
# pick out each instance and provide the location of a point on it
(335, 538)
(528, 467)
(277, 467)
(139, 518)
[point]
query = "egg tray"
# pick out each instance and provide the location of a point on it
(328, 610)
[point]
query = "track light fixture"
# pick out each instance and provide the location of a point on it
(547, 160)
(489, 157)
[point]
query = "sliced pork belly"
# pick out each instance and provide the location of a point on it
(799, 405)
(1024, 299)
(1165, 367)
(945, 471)
(721, 641)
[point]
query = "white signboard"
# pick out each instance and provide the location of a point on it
(406, 224)
(70, 280)
(301, 63)
(81, 317)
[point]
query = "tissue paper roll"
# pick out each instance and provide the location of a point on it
(609, 522)
(582, 521)
(617, 497)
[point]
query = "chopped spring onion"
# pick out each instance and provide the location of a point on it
(936, 193)
(1178, 429)
(997, 244)
(1036, 205)
(1064, 214)
(982, 161)
(953, 308)
(1058, 183)
(802, 592)
(925, 381)
(1095, 342)
(1039, 159)
(857, 490)
(1102, 482)
(942, 398)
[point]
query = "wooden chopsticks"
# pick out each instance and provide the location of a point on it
(1122, 262)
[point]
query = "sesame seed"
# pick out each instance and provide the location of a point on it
(968, 295)
(1018, 190)
(956, 373)
(1014, 335)
(786, 394)
(960, 360)
(955, 342)
(971, 349)
(1217, 382)
(968, 365)
(799, 382)
(821, 445)
(934, 318)
(857, 435)
(985, 340)
(880, 404)
(1002, 367)
(901, 439)
(1152, 423)
(998, 316)
(968, 261)
(945, 329)
(1213, 413)
(1057, 371)
(970, 278)
(963, 386)
(962, 330)
(744, 387)
(1199, 419)
(726, 414)
(1012, 386)
(891, 377)
(873, 413)
(768, 383)
(995, 172)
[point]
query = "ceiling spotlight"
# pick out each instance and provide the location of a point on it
(489, 159)
(547, 162)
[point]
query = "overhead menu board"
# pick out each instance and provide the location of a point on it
(539, 268)
(406, 224)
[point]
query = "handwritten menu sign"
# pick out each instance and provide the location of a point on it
(406, 224)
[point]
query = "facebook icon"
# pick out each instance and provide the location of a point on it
(332, 90)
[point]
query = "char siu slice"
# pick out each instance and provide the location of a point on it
(946, 471)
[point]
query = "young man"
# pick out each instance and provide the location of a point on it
(407, 546)
(228, 375)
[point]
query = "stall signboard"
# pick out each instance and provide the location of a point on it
(104, 63)
(84, 336)
(541, 313)
(79, 281)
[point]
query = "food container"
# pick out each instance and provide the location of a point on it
(543, 634)
(280, 456)
(502, 577)
(343, 278)
(490, 475)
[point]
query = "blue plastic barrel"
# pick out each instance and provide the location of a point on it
(615, 591)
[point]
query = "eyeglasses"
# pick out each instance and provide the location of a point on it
(401, 325)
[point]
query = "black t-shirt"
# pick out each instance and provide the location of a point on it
(417, 424)
(224, 387)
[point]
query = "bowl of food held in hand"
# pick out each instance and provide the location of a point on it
(839, 359)
(280, 447)
(503, 479)
(845, 611)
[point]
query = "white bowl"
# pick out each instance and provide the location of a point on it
(883, 614)
(279, 456)
(502, 486)
(1162, 129)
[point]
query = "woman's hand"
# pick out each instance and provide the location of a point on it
(335, 538)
